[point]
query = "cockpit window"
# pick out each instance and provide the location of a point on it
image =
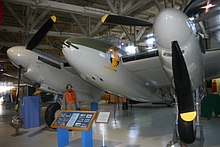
(129, 52)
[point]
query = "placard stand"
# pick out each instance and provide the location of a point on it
(86, 136)
(87, 139)
(103, 136)
(62, 137)
(94, 106)
(103, 118)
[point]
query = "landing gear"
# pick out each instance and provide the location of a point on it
(188, 132)
(199, 95)
(51, 112)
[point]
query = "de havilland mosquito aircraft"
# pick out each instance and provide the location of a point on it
(96, 67)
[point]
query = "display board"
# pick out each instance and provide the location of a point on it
(103, 117)
(74, 120)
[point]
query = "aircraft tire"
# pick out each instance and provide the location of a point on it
(50, 112)
(186, 130)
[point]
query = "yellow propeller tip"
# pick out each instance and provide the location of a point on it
(188, 116)
(53, 18)
(104, 18)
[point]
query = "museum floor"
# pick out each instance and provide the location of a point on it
(142, 126)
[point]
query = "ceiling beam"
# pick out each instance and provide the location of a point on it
(121, 4)
(126, 32)
(14, 14)
(63, 7)
(33, 31)
(157, 3)
(40, 18)
(99, 27)
(111, 6)
(166, 3)
(184, 3)
(135, 7)
(140, 33)
(11, 44)
(173, 3)
(78, 23)
(128, 5)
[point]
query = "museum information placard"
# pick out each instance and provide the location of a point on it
(103, 117)
(74, 120)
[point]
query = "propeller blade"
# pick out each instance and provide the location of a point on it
(18, 90)
(182, 84)
(35, 40)
(184, 95)
(124, 20)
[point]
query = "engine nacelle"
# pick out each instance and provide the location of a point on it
(173, 25)
(19, 55)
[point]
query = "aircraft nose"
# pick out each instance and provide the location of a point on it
(18, 55)
(172, 25)
(71, 51)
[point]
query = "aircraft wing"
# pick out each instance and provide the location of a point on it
(150, 69)
(212, 64)
(54, 61)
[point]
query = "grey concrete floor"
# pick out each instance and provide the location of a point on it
(142, 126)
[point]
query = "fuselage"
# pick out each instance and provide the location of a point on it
(91, 59)
(98, 63)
